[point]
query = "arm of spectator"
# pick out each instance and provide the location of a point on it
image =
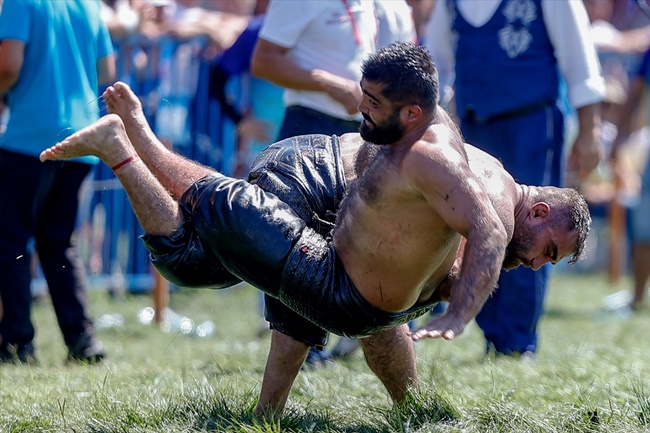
(11, 62)
(106, 70)
(121, 22)
(608, 39)
(270, 62)
(625, 124)
(588, 149)
(248, 127)
(438, 40)
(220, 28)
(251, 128)
(635, 41)
(217, 90)
(568, 27)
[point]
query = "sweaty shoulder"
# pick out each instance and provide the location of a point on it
(438, 148)
(499, 185)
(490, 170)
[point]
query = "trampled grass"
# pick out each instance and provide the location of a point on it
(592, 374)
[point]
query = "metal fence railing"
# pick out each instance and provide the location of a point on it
(171, 79)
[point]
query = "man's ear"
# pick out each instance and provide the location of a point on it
(540, 210)
(410, 112)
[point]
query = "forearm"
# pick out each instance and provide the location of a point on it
(11, 62)
(7, 80)
(587, 150)
(589, 120)
(282, 71)
(481, 265)
(625, 121)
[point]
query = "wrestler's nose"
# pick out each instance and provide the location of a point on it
(360, 107)
(538, 262)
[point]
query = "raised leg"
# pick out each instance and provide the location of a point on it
(156, 210)
(172, 170)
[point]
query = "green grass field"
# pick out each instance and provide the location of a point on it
(592, 374)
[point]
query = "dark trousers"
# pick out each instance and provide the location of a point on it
(530, 148)
(300, 120)
(39, 201)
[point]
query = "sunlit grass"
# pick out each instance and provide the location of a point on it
(592, 374)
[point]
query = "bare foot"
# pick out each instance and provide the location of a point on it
(105, 138)
(121, 100)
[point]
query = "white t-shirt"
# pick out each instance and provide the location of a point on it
(395, 22)
(332, 35)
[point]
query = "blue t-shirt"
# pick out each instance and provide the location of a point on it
(56, 93)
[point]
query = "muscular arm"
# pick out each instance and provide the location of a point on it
(454, 192)
(270, 61)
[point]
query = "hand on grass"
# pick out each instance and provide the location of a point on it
(445, 326)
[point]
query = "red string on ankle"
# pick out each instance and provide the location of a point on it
(126, 161)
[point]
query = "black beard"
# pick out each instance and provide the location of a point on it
(387, 132)
(519, 246)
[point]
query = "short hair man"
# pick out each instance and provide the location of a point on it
(425, 217)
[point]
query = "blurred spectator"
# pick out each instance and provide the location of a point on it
(185, 27)
(640, 223)
(395, 22)
(52, 58)
(314, 50)
(598, 187)
(121, 18)
(421, 11)
(259, 122)
(504, 57)
(187, 19)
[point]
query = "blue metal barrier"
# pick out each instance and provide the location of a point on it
(177, 105)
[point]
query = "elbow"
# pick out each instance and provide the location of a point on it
(8, 77)
(257, 62)
(256, 67)
(500, 240)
